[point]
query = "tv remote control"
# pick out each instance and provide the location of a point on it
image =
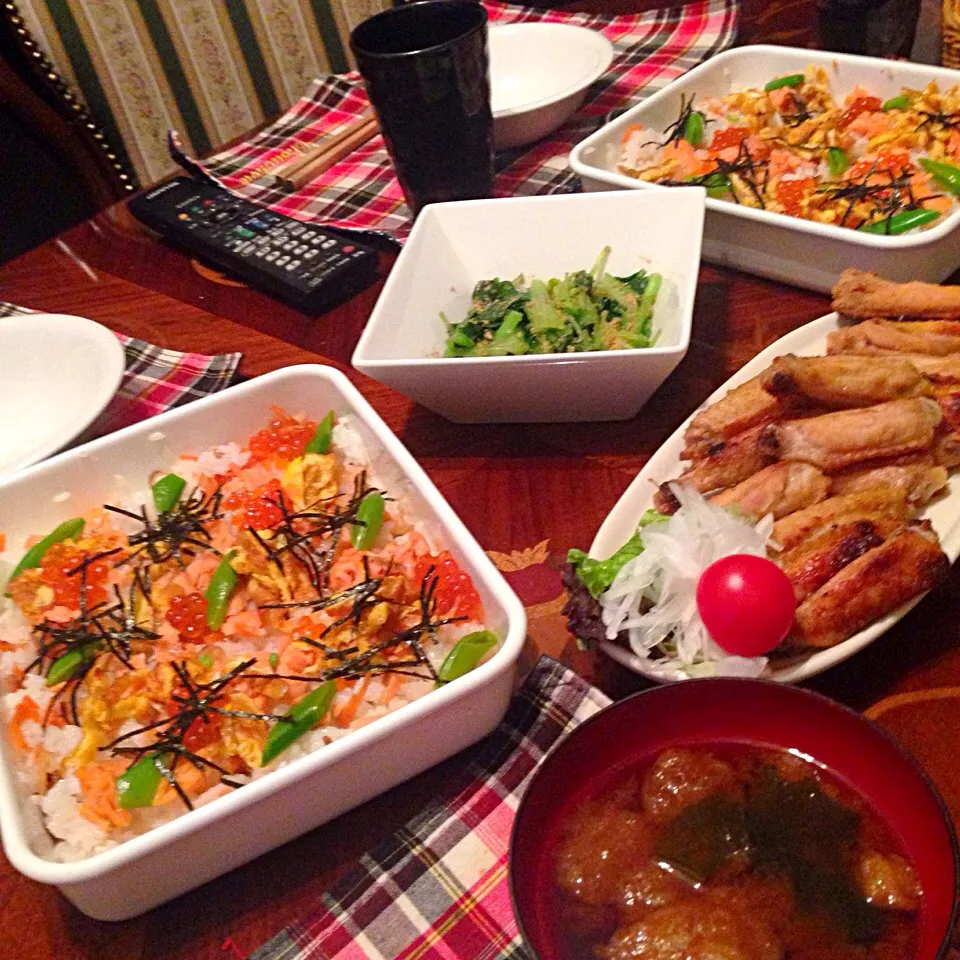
(304, 265)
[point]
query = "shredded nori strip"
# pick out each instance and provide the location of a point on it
(174, 534)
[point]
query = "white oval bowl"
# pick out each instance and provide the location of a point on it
(539, 75)
(58, 372)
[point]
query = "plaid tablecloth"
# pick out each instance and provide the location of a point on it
(438, 887)
(361, 192)
(154, 380)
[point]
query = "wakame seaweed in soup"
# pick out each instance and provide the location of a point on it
(732, 852)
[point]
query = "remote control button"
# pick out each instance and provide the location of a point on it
(243, 232)
(309, 234)
(293, 264)
(327, 244)
(283, 260)
(272, 255)
(297, 230)
(299, 250)
(349, 248)
(310, 254)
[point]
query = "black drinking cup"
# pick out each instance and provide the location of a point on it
(425, 69)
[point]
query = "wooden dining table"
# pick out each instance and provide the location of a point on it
(528, 493)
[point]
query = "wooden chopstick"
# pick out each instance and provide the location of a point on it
(329, 151)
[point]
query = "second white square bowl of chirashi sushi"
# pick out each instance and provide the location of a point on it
(59, 813)
(455, 246)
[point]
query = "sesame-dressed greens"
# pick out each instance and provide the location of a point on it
(586, 310)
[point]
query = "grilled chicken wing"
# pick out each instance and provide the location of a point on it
(938, 370)
(810, 565)
(885, 336)
(780, 489)
(746, 406)
(727, 463)
(878, 503)
(920, 481)
(837, 440)
(907, 564)
(861, 294)
(844, 381)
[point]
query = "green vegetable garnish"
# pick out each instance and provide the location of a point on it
(68, 530)
(69, 663)
(791, 80)
(597, 575)
(585, 310)
(363, 535)
(320, 441)
(837, 161)
(900, 102)
(166, 492)
(946, 174)
(219, 590)
(303, 715)
(465, 655)
(693, 129)
(206, 660)
(274, 659)
(901, 222)
(137, 785)
(717, 183)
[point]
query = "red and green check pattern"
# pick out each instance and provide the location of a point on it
(361, 191)
(155, 380)
(437, 889)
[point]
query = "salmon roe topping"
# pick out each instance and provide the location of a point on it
(283, 439)
(790, 193)
(258, 508)
(456, 595)
(188, 616)
(730, 137)
(59, 570)
(860, 105)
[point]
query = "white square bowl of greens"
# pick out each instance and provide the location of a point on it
(539, 309)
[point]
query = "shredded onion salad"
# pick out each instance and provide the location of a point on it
(654, 596)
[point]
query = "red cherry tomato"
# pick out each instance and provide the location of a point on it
(746, 603)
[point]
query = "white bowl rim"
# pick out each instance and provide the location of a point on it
(15, 843)
(597, 41)
(783, 220)
(115, 360)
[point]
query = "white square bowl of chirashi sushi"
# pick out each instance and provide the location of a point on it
(881, 110)
(176, 587)
(550, 309)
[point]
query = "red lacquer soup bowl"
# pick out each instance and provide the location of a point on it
(726, 713)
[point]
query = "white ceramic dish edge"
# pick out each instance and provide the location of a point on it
(785, 248)
(55, 327)
(807, 340)
(180, 855)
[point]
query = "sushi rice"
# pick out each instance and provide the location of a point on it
(55, 757)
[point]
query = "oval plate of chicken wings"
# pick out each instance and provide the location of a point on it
(847, 431)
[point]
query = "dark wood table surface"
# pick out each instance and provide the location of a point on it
(528, 493)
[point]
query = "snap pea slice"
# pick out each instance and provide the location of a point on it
(837, 161)
(693, 129)
(68, 530)
(946, 174)
(791, 80)
(219, 590)
(899, 102)
(363, 535)
(322, 438)
(69, 663)
(166, 491)
(137, 786)
(304, 714)
(901, 222)
(465, 655)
